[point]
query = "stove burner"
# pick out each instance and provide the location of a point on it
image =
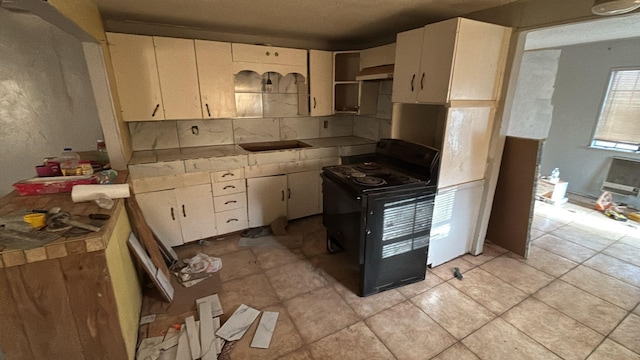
(398, 177)
(357, 174)
(367, 166)
(369, 181)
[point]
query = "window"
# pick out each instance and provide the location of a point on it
(619, 121)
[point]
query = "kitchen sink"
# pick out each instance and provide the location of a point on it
(274, 145)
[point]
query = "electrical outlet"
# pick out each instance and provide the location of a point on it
(195, 130)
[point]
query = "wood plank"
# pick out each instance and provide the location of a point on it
(510, 219)
(145, 234)
(207, 336)
(92, 303)
(13, 338)
(194, 339)
(40, 293)
(264, 332)
(184, 350)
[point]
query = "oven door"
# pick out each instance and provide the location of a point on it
(397, 232)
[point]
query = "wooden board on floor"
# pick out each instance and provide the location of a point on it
(512, 209)
(145, 235)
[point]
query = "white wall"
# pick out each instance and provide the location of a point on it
(46, 99)
(583, 74)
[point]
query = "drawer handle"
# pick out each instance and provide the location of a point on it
(282, 195)
(276, 53)
(184, 213)
(288, 193)
(268, 53)
(412, 78)
(231, 220)
(208, 112)
(228, 174)
(230, 202)
(155, 110)
(422, 82)
(172, 215)
(314, 102)
(228, 187)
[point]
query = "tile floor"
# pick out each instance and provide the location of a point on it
(576, 297)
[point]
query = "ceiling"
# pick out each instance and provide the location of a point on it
(334, 23)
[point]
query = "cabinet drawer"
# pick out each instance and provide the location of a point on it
(229, 187)
(227, 175)
(232, 220)
(229, 202)
(268, 54)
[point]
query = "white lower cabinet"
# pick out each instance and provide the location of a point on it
(180, 215)
(455, 216)
(303, 194)
(267, 199)
(293, 195)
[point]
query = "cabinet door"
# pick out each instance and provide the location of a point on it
(465, 145)
(407, 66)
(455, 217)
(136, 72)
(178, 78)
(438, 47)
(320, 75)
(479, 60)
(266, 199)
(302, 194)
(215, 75)
(161, 212)
(195, 210)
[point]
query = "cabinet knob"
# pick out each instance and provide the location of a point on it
(155, 110)
(288, 193)
(276, 53)
(412, 79)
(228, 187)
(231, 220)
(230, 202)
(184, 213)
(227, 174)
(314, 102)
(422, 82)
(208, 112)
(282, 195)
(173, 217)
(268, 53)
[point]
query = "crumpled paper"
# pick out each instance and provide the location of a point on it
(199, 266)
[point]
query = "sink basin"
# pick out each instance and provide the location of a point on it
(274, 145)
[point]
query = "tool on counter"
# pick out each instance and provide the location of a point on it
(57, 219)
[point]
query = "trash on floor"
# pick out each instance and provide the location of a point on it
(274, 235)
(199, 267)
(204, 338)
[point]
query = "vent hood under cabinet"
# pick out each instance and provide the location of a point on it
(382, 72)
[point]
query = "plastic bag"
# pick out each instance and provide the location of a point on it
(198, 267)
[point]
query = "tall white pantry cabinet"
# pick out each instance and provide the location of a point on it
(456, 64)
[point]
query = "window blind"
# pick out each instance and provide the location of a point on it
(620, 114)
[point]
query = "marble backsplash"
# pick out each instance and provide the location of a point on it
(264, 114)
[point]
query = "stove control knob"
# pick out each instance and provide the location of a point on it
(368, 232)
(358, 198)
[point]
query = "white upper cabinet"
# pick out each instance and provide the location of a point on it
(320, 84)
(176, 59)
(136, 73)
(162, 78)
(465, 146)
(262, 59)
(456, 59)
(215, 75)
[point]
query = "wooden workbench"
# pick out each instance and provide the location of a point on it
(73, 298)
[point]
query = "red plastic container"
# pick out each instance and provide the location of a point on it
(51, 185)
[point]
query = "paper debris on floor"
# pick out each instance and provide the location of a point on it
(214, 302)
(272, 240)
(266, 326)
(238, 323)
